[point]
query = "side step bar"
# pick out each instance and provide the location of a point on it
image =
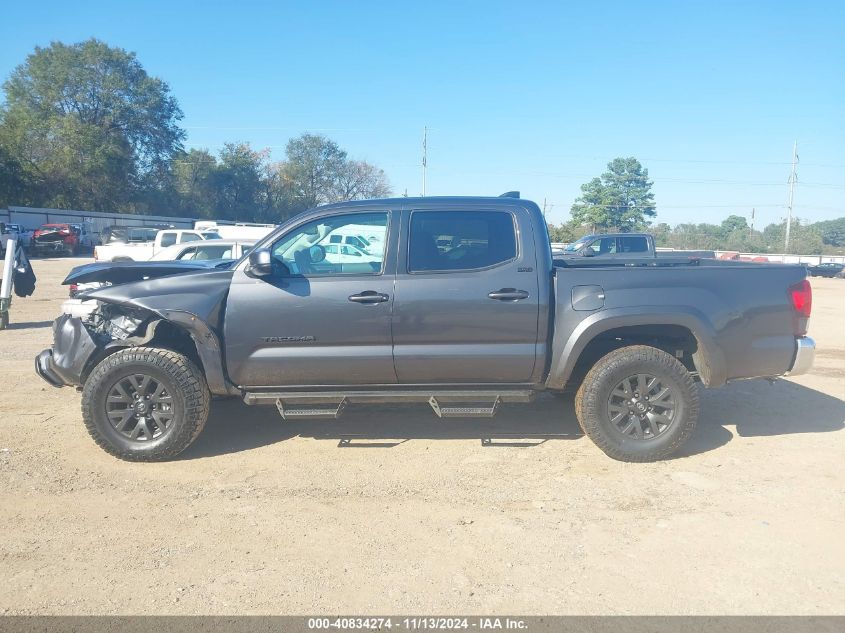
(291, 413)
(464, 411)
(446, 404)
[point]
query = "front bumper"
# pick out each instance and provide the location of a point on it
(73, 348)
(51, 247)
(805, 354)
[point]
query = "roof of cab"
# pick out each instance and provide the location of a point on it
(432, 201)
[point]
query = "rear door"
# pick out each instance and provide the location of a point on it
(466, 307)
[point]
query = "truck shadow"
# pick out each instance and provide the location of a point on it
(751, 408)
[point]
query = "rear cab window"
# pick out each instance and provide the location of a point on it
(168, 238)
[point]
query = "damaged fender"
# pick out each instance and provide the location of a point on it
(192, 301)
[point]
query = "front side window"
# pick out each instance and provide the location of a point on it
(460, 240)
(312, 249)
(604, 246)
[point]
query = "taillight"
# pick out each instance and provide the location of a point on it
(801, 296)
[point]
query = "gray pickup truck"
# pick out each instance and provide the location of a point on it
(456, 302)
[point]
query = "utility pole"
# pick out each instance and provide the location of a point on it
(544, 207)
(752, 219)
(425, 157)
(793, 177)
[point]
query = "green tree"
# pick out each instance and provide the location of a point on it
(621, 199)
(193, 179)
(804, 239)
(311, 170)
(832, 231)
(239, 181)
(88, 125)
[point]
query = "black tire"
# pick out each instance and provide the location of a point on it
(178, 387)
(656, 432)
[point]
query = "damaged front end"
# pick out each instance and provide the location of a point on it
(180, 310)
(80, 343)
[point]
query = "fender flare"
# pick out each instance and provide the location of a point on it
(208, 347)
(709, 359)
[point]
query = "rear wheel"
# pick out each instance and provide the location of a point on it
(638, 404)
(145, 404)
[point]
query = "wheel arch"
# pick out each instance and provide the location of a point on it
(181, 332)
(671, 330)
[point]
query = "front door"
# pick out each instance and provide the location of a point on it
(319, 320)
(467, 306)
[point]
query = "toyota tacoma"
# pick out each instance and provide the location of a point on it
(460, 306)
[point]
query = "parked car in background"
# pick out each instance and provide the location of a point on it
(612, 245)
(238, 231)
(144, 251)
(62, 239)
(205, 250)
(348, 254)
(129, 234)
(827, 269)
(22, 235)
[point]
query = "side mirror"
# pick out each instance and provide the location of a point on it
(260, 263)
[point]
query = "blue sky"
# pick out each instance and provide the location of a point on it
(534, 96)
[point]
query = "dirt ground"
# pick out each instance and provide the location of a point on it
(391, 511)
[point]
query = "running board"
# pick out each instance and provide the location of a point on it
(326, 413)
(324, 400)
(447, 411)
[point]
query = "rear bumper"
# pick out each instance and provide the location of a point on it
(805, 354)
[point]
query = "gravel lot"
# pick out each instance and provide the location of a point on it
(390, 510)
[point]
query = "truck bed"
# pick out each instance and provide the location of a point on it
(739, 312)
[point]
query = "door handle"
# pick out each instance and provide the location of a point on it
(508, 294)
(369, 296)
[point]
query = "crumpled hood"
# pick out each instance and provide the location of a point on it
(124, 272)
(200, 292)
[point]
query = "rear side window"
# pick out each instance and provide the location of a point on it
(634, 244)
(460, 240)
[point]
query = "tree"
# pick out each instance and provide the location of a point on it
(803, 238)
(87, 124)
(832, 231)
(621, 199)
(311, 170)
(317, 171)
(358, 180)
(194, 182)
(239, 181)
(13, 180)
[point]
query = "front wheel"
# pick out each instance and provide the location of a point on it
(638, 404)
(145, 404)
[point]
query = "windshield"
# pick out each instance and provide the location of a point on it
(575, 246)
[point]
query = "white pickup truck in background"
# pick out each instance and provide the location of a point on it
(143, 251)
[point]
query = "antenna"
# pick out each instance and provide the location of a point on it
(793, 177)
(425, 157)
